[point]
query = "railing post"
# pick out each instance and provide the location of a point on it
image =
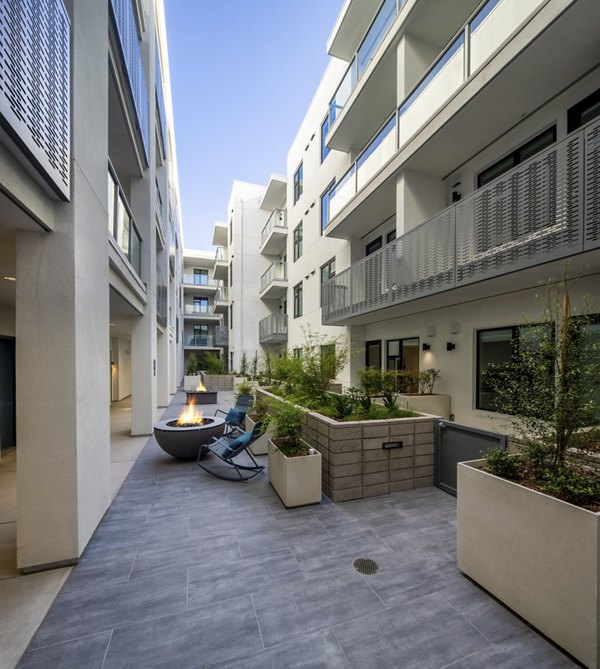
(467, 49)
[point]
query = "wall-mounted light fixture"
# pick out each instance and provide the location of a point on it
(426, 347)
(450, 346)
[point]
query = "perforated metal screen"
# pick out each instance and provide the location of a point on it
(35, 85)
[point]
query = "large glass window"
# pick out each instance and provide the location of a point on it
(373, 354)
(373, 246)
(325, 205)
(496, 348)
(200, 277)
(201, 305)
(298, 182)
(584, 111)
(297, 241)
(519, 155)
(298, 300)
(324, 130)
(403, 356)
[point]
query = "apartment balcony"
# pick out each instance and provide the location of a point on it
(273, 283)
(545, 209)
(121, 223)
(197, 342)
(221, 337)
(201, 313)
(220, 234)
(221, 266)
(273, 236)
(221, 301)
(369, 90)
(497, 53)
(273, 329)
(200, 284)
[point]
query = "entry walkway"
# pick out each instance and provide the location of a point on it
(186, 570)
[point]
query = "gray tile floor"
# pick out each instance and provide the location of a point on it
(189, 571)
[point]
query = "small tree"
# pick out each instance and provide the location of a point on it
(550, 387)
(427, 379)
(255, 366)
(323, 358)
(287, 429)
(193, 364)
(244, 364)
(267, 367)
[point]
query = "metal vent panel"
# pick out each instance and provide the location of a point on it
(130, 50)
(35, 85)
(592, 187)
(529, 216)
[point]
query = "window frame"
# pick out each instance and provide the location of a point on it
(330, 275)
(298, 238)
(325, 195)
(298, 299)
(325, 125)
(373, 243)
(298, 181)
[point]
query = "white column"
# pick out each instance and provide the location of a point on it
(62, 329)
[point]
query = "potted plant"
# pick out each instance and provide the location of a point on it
(417, 392)
(529, 523)
(260, 411)
(294, 467)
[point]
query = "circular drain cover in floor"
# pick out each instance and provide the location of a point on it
(365, 566)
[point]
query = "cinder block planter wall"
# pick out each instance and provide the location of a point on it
(218, 381)
(355, 462)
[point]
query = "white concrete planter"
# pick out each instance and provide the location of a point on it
(191, 382)
(297, 481)
(261, 445)
(436, 405)
(535, 553)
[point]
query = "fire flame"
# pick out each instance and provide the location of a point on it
(201, 388)
(190, 414)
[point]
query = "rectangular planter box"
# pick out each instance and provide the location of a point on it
(436, 405)
(536, 554)
(190, 383)
(371, 457)
(208, 397)
(297, 481)
(261, 445)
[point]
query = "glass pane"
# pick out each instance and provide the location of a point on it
(111, 206)
(375, 36)
(494, 347)
(136, 252)
(410, 355)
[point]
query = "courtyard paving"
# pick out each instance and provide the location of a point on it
(186, 570)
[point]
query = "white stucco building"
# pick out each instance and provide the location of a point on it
(90, 254)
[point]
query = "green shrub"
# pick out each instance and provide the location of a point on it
(572, 485)
(427, 379)
(287, 429)
(389, 400)
(244, 388)
(193, 364)
(371, 381)
(501, 463)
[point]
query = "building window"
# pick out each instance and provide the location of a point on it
(373, 354)
(325, 205)
(497, 347)
(298, 182)
(527, 150)
(297, 241)
(200, 277)
(373, 246)
(231, 316)
(584, 111)
(200, 335)
(201, 305)
(403, 356)
(327, 272)
(297, 353)
(390, 236)
(298, 300)
(324, 130)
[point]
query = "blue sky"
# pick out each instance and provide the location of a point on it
(242, 74)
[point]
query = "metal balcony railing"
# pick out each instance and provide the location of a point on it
(125, 23)
(273, 328)
(277, 272)
(544, 209)
(479, 38)
(278, 219)
(121, 224)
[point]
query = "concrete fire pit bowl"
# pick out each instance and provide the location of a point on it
(184, 442)
(201, 396)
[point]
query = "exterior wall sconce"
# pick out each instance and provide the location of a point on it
(450, 346)
(426, 347)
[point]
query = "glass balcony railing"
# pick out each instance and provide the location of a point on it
(200, 341)
(277, 272)
(221, 295)
(479, 38)
(221, 336)
(220, 254)
(278, 219)
(382, 22)
(197, 309)
(530, 215)
(375, 155)
(273, 328)
(121, 224)
(200, 280)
